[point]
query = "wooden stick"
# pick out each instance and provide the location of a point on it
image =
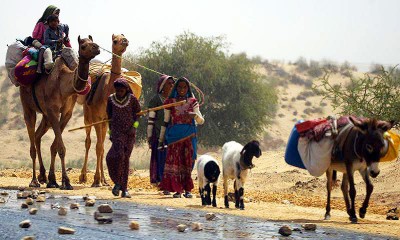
(139, 114)
(180, 140)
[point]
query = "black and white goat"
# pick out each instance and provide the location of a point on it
(236, 162)
(207, 172)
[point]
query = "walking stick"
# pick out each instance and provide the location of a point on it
(139, 114)
(180, 140)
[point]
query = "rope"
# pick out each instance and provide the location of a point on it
(201, 94)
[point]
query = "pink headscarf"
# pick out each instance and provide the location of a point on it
(161, 82)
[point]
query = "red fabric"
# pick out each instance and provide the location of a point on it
(307, 125)
(38, 31)
(178, 165)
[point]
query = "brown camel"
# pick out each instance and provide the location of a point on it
(56, 95)
(96, 110)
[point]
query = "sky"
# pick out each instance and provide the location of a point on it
(361, 32)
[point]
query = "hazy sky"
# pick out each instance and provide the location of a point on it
(361, 32)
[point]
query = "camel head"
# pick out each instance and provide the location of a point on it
(87, 48)
(120, 43)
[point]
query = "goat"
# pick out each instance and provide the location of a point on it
(207, 172)
(236, 162)
(360, 151)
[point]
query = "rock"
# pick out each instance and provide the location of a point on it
(90, 202)
(309, 226)
(23, 195)
(134, 225)
(25, 224)
(97, 215)
(286, 202)
(14, 175)
(65, 230)
(2, 200)
(29, 201)
(210, 216)
(33, 211)
(41, 198)
(104, 208)
(196, 226)
(74, 206)
(296, 230)
(24, 205)
(285, 231)
(62, 211)
(28, 238)
(21, 189)
(104, 219)
(34, 194)
(181, 227)
(246, 200)
(43, 192)
(4, 193)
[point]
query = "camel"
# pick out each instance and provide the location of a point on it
(95, 110)
(56, 96)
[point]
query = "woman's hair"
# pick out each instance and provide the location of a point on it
(49, 11)
(51, 18)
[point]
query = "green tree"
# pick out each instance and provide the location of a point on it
(238, 102)
(373, 95)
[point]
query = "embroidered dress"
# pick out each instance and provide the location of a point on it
(181, 153)
(122, 115)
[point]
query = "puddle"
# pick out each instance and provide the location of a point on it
(155, 223)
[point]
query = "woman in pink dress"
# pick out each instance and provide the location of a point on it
(180, 136)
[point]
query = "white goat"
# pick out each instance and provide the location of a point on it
(207, 172)
(236, 162)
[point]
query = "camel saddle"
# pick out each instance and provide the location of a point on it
(134, 79)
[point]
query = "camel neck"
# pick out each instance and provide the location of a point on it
(116, 65)
(82, 74)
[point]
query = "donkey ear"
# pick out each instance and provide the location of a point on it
(113, 36)
(122, 34)
(362, 125)
(90, 37)
(385, 125)
(79, 39)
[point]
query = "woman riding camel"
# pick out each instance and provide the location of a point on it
(181, 139)
(156, 120)
(122, 107)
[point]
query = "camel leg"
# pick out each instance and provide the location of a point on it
(104, 133)
(40, 131)
(65, 117)
(370, 188)
(30, 121)
(99, 153)
(88, 141)
(329, 174)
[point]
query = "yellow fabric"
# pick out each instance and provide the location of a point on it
(394, 144)
(134, 78)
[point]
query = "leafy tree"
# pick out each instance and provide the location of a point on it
(375, 96)
(238, 103)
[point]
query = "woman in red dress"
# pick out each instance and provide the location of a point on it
(180, 136)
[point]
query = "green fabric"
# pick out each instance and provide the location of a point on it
(159, 121)
(49, 10)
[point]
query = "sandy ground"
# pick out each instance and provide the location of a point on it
(275, 191)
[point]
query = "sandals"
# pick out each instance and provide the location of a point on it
(177, 195)
(125, 194)
(116, 189)
(188, 195)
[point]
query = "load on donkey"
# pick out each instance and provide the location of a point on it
(346, 144)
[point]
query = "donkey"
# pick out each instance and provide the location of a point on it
(359, 149)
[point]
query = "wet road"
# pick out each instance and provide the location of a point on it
(155, 223)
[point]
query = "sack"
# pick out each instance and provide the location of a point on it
(393, 148)
(13, 57)
(316, 156)
(292, 156)
(25, 71)
(70, 57)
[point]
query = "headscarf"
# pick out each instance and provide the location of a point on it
(49, 11)
(161, 82)
(174, 92)
(123, 83)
